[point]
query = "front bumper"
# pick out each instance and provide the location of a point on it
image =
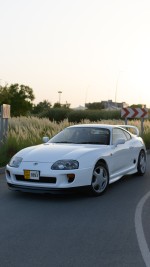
(49, 180)
(41, 190)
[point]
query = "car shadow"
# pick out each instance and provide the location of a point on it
(117, 187)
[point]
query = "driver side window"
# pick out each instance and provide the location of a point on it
(117, 134)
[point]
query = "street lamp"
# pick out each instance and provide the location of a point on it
(59, 92)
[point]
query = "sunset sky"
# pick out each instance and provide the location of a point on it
(91, 50)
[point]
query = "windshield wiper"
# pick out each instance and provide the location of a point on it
(90, 143)
(63, 142)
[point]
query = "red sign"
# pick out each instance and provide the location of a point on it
(134, 113)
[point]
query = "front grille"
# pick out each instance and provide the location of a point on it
(49, 180)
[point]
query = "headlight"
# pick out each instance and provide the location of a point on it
(15, 162)
(65, 165)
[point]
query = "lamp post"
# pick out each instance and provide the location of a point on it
(59, 92)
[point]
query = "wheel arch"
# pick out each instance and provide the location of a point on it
(142, 150)
(139, 171)
(104, 162)
(99, 182)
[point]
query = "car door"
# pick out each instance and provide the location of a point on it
(121, 154)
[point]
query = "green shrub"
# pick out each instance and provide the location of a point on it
(77, 116)
(55, 114)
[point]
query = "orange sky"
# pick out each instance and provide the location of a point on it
(91, 50)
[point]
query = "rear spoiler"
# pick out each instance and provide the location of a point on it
(128, 127)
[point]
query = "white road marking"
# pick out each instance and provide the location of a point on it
(139, 230)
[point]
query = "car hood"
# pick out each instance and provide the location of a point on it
(51, 152)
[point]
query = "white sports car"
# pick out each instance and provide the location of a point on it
(85, 155)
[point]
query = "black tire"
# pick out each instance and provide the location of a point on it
(141, 166)
(100, 179)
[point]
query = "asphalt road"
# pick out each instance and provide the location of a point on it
(77, 230)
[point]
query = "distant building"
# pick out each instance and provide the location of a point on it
(80, 108)
(110, 105)
(114, 105)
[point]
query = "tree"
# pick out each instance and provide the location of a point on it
(58, 105)
(41, 106)
(20, 98)
(136, 106)
(94, 105)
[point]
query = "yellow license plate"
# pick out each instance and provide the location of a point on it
(31, 175)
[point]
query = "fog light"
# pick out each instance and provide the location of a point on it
(70, 177)
(8, 173)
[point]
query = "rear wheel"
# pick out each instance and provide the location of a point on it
(100, 179)
(141, 167)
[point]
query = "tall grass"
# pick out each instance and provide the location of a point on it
(25, 132)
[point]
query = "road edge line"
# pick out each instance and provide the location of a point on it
(140, 232)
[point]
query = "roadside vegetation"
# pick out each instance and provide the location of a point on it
(28, 131)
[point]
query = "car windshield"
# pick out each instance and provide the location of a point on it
(82, 135)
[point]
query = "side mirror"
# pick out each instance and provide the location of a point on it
(45, 139)
(120, 141)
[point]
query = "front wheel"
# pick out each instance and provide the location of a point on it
(100, 179)
(141, 167)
